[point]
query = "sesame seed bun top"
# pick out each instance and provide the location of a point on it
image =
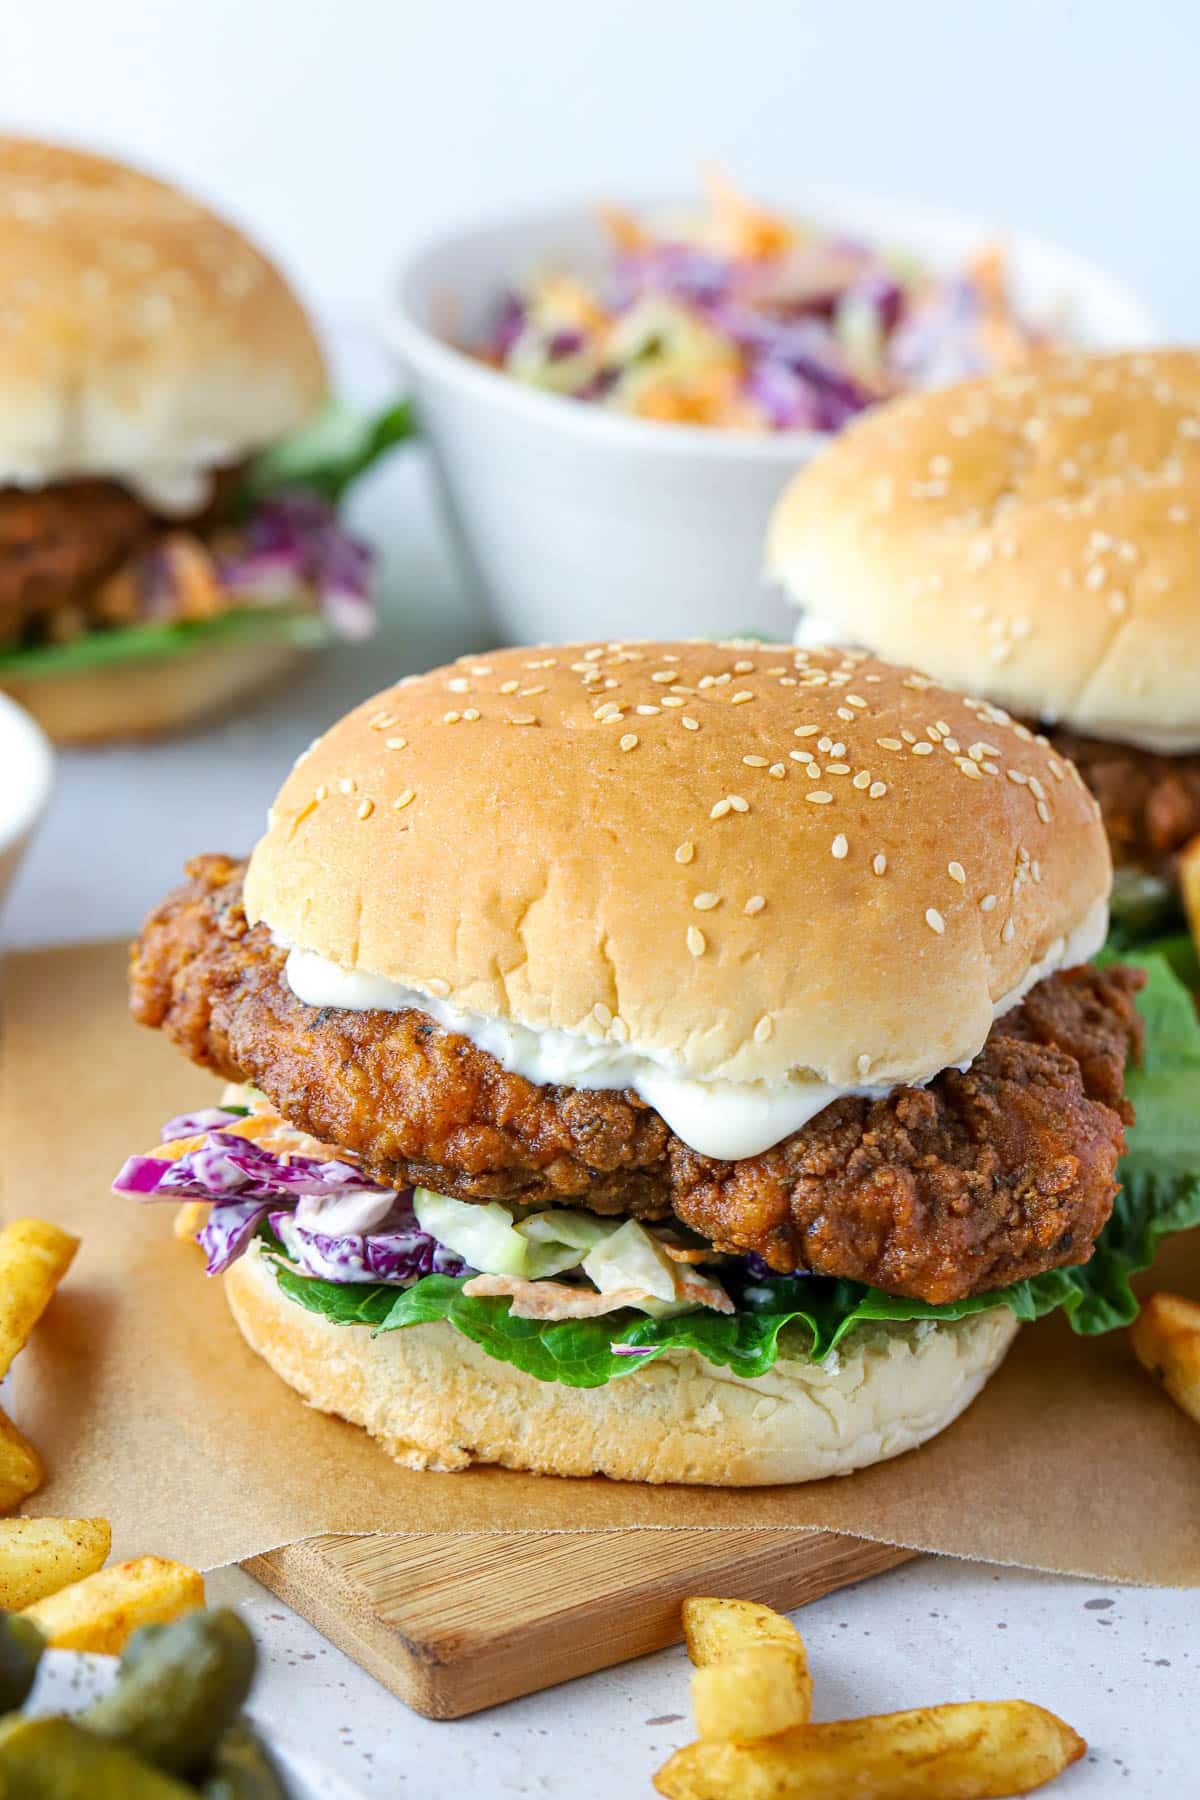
(1032, 537)
(740, 859)
(141, 337)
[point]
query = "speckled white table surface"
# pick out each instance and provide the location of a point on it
(1120, 1664)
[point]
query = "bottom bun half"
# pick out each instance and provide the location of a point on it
(149, 697)
(435, 1400)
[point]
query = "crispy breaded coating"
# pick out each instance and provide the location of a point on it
(966, 1185)
(1150, 804)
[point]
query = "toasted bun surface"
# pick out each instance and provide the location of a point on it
(435, 1400)
(148, 698)
(141, 337)
(624, 843)
(1032, 537)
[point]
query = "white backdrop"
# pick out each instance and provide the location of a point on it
(344, 129)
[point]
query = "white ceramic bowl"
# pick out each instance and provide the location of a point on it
(578, 522)
(26, 773)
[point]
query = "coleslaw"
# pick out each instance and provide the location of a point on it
(741, 318)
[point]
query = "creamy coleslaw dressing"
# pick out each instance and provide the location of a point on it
(724, 1119)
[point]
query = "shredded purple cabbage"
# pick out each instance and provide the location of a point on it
(401, 1253)
(379, 1238)
(297, 540)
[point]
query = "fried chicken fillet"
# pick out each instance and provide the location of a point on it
(978, 1180)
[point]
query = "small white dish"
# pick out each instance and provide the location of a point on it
(26, 777)
(578, 522)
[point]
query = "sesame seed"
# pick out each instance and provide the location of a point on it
(840, 848)
(987, 904)
(855, 700)
(763, 1029)
(527, 693)
(862, 779)
(380, 721)
(688, 723)
(685, 853)
(922, 749)
(459, 685)
(743, 667)
(706, 902)
(956, 872)
(719, 810)
(778, 770)
(365, 808)
(877, 790)
(889, 743)
(663, 675)
(629, 741)
(754, 905)
(837, 768)
(509, 687)
(755, 762)
(451, 718)
(934, 920)
(396, 743)
(879, 863)
(404, 799)
(697, 943)
(738, 804)
(470, 714)
(321, 792)
(522, 719)
(346, 785)
(970, 768)
(1018, 776)
(1007, 934)
(649, 712)
(803, 731)
(1043, 812)
(741, 698)
(819, 797)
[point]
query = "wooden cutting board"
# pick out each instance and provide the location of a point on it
(453, 1624)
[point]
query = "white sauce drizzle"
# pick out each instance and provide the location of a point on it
(724, 1119)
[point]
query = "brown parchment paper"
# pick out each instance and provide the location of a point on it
(148, 1407)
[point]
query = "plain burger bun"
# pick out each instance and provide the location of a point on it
(740, 859)
(142, 338)
(151, 697)
(1034, 537)
(435, 1400)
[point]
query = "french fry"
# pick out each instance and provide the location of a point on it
(1189, 881)
(755, 1694)
(1166, 1341)
(713, 1629)
(103, 1611)
(34, 1257)
(40, 1556)
(20, 1466)
(976, 1751)
(188, 1220)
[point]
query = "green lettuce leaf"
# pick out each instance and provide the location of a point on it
(328, 456)
(147, 643)
(808, 1317)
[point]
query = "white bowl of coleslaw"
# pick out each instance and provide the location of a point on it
(586, 498)
(26, 773)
